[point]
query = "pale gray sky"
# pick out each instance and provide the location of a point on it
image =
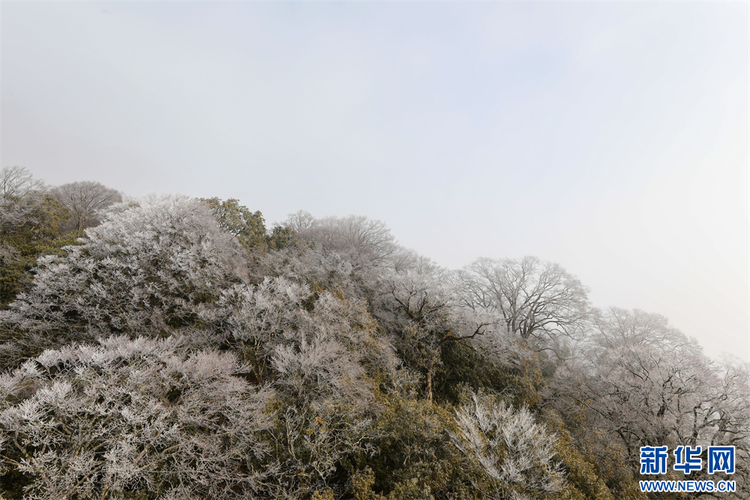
(611, 138)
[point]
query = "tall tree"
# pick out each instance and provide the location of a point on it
(537, 301)
(17, 182)
(417, 305)
(20, 194)
(86, 202)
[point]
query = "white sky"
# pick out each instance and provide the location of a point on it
(611, 138)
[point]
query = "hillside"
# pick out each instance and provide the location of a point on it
(171, 347)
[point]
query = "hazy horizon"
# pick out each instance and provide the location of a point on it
(609, 138)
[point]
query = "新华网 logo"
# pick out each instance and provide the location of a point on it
(687, 459)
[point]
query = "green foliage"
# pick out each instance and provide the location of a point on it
(416, 458)
(57, 245)
(12, 481)
(29, 228)
(32, 222)
(596, 463)
(362, 483)
(583, 479)
(12, 269)
(248, 227)
(463, 366)
(281, 237)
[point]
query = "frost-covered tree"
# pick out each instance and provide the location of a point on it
(647, 379)
(132, 417)
(346, 255)
(150, 266)
(274, 323)
(417, 304)
(323, 358)
(644, 383)
(516, 453)
(365, 243)
(31, 223)
(23, 202)
(537, 301)
(18, 182)
(86, 202)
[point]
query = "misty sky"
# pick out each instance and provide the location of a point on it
(611, 138)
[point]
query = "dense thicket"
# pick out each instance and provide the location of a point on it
(178, 348)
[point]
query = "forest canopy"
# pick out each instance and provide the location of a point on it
(171, 347)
